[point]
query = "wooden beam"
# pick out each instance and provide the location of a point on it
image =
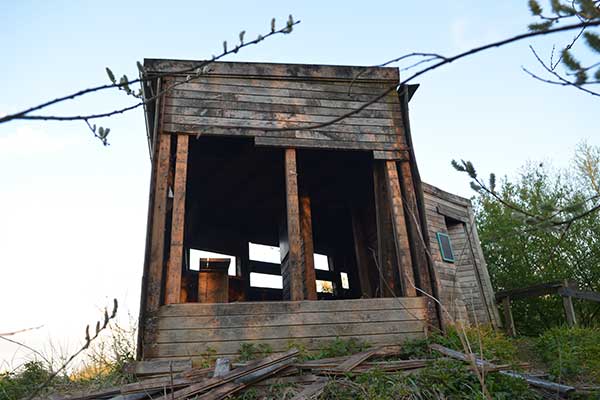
(173, 277)
(568, 306)
(509, 323)
(404, 260)
(292, 273)
(388, 280)
(530, 291)
(308, 250)
(159, 212)
(413, 222)
(363, 258)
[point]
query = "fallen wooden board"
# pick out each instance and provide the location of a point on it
(355, 361)
(312, 390)
(532, 380)
(156, 367)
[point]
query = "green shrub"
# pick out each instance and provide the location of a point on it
(17, 384)
(571, 354)
(496, 346)
(341, 347)
(251, 351)
(442, 379)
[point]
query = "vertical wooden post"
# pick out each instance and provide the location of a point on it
(405, 267)
(362, 255)
(308, 249)
(388, 276)
(173, 278)
(159, 212)
(568, 306)
(294, 279)
(413, 222)
(508, 318)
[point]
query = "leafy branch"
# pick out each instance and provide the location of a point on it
(552, 216)
(100, 326)
(124, 84)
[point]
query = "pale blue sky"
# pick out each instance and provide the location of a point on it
(73, 213)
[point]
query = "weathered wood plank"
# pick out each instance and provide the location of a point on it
(294, 270)
(339, 86)
(243, 98)
(375, 111)
(308, 251)
(289, 92)
(266, 114)
(174, 267)
(404, 260)
(323, 329)
(232, 347)
(276, 70)
(155, 270)
(257, 124)
(290, 307)
(361, 251)
(263, 320)
(154, 367)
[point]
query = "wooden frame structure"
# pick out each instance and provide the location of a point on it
(234, 162)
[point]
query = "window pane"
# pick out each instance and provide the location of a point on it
(264, 253)
(196, 255)
(266, 280)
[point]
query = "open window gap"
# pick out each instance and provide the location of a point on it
(196, 255)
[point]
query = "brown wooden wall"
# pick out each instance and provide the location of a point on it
(189, 330)
(252, 99)
(464, 286)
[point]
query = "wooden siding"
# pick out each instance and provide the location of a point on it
(464, 286)
(254, 100)
(189, 330)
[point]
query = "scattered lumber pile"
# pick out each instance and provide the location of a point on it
(178, 380)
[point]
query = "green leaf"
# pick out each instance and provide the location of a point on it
(242, 33)
(581, 77)
(225, 46)
(140, 67)
(589, 8)
(111, 76)
(592, 40)
(493, 182)
(534, 7)
(475, 187)
(273, 25)
(597, 75)
(569, 61)
(457, 166)
(540, 26)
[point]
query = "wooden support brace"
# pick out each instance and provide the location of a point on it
(388, 280)
(363, 258)
(404, 260)
(509, 324)
(159, 212)
(173, 279)
(308, 251)
(294, 268)
(568, 306)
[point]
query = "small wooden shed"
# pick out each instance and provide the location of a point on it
(237, 161)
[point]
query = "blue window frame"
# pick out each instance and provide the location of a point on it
(445, 247)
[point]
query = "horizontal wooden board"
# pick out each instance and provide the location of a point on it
(316, 93)
(289, 331)
(266, 115)
(312, 102)
(202, 105)
(276, 70)
(286, 307)
(274, 124)
(262, 320)
(325, 144)
(341, 86)
(165, 350)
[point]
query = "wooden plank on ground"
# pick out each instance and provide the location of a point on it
(174, 267)
(312, 390)
(155, 367)
(355, 360)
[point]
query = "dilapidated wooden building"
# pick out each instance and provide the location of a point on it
(246, 154)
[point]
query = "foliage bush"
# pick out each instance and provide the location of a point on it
(520, 254)
(571, 354)
(442, 379)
